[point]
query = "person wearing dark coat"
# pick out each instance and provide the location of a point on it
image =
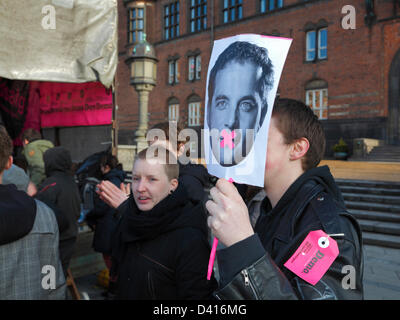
(300, 198)
(195, 178)
(102, 218)
(160, 248)
(28, 240)
(60, 191)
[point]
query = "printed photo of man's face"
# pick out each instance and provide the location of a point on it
(239, 84)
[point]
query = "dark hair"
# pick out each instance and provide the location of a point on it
(31, 135)
(296, 120)
(6, 148)
(109, 160)
(175, 131)
(241, 51)
(156, 152)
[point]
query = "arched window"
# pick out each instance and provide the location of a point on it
(173, 109)
(317, 97)
(194, 110)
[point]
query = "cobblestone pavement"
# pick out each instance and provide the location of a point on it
(381, 273)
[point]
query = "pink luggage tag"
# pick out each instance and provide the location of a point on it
(314, 256)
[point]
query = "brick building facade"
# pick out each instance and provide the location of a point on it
(350, 76)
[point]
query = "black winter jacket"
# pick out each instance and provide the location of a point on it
(102, 216)
(194, 177)
(162, 253)
(59, 190)
(254, 268)
(17, 214)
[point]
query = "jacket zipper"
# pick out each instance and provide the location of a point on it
(248, 283)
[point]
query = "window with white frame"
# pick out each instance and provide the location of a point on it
(194, 67)
(317, 99)
(193, 147)
(322, 43)
(173, 112)
(310, 45)
(194, 114)
(317, 44)
(173, 71)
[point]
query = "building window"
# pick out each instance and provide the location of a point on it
(136, 24)
(193, 147)
(173, 112)
(173, 71)
(317, 44)
(317, 99)
(310, 46)
(198, 15)
(232, 10)
(270, 5)
(194, 114)
(171, 20)
(194, 67)
(322, 43)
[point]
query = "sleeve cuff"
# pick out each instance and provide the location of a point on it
(237, 257)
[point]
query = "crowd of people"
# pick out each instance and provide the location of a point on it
(154, 233)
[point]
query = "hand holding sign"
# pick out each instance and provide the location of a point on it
(242, 80)
(229, 217)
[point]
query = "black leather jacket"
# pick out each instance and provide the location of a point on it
(266, 278)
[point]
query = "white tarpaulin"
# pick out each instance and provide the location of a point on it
(59, 40)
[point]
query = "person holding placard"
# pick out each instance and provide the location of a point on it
(302, 200)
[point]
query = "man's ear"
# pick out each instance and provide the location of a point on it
(9, 163)
(299, 148)
(174, 185)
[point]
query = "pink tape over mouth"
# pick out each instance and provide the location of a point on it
(227, 139)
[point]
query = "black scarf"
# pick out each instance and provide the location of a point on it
(139, 225)
(136, 225)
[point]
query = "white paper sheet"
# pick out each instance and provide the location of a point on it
(237, 104)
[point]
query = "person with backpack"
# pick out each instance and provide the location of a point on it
(101, 218)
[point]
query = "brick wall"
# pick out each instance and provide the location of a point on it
(356, 69)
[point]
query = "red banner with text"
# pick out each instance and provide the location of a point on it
(74, 104)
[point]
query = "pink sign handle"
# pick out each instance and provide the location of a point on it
(212, 258)
(213, 252)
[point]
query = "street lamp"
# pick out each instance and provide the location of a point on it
(143, 65)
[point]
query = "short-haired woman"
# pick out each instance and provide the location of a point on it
(160, 249)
